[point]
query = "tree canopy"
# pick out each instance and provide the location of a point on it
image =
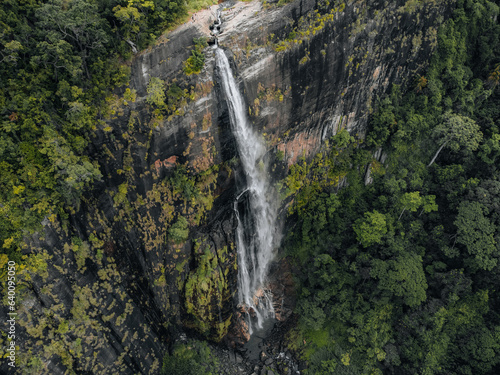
(60, 59)
(403, 275)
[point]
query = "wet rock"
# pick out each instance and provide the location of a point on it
(230, 362)
(324, 94)
(238, 334)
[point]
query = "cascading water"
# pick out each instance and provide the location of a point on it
(255, 249)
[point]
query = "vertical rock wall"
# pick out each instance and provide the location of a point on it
(150, 251)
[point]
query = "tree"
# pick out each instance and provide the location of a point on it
(78, 23)
(371, 229)
(457, 131)
(179, 230)
(488, 193)
(413, 200)
(371, 330)
(60, 56)
(191, 358)
(156, 92)
(403, 276)
(10, 52)
(490, 149)
(410, 201)
(133, 19)
(312, 315)
(195, 63)
(475, 232)
(479, 351)
(73, 173)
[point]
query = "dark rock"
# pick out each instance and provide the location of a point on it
(126, 294)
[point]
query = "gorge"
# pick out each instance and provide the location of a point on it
(209, 170)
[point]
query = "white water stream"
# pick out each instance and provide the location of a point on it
(255, 249)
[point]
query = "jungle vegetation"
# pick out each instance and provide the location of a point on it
(59, 62)
(402, 275)
(398, 276)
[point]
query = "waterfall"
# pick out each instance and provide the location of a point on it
(255, 248)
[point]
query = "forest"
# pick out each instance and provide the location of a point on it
(401, 275)
(396, 272)
(60, 62)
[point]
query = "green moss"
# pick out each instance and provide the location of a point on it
(63, 327)
(308, 26)
(305, 59)
(206, 290)
(121, 196)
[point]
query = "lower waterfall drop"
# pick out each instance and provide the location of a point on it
(255, 248)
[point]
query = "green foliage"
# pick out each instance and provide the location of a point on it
(60, 59)
(459, 131)
(195, 63)
(309, 25)
(121, 196)
(156, 92)
(192, 358)
(401, 275)
(384, 121)
(183, 184)
(282, 2)
(179, 231)
(325, 171)
(206, 290)
(169, 100)
(475, 231)
(280, 155)
(411, 201)
(139, 20)
(371, 229)
(196, 191)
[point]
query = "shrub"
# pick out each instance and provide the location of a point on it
(179, 231)
(193, 358)
(195, 63)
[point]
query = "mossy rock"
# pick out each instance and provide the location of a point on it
(206, 292)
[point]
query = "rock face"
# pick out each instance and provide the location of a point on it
(151, 250)
(327, 67)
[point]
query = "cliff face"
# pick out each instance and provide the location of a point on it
(151, 249)
(329, 65)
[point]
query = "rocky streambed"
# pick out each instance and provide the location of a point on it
(265, 354)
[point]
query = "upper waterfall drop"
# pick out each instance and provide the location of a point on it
(255, 250)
